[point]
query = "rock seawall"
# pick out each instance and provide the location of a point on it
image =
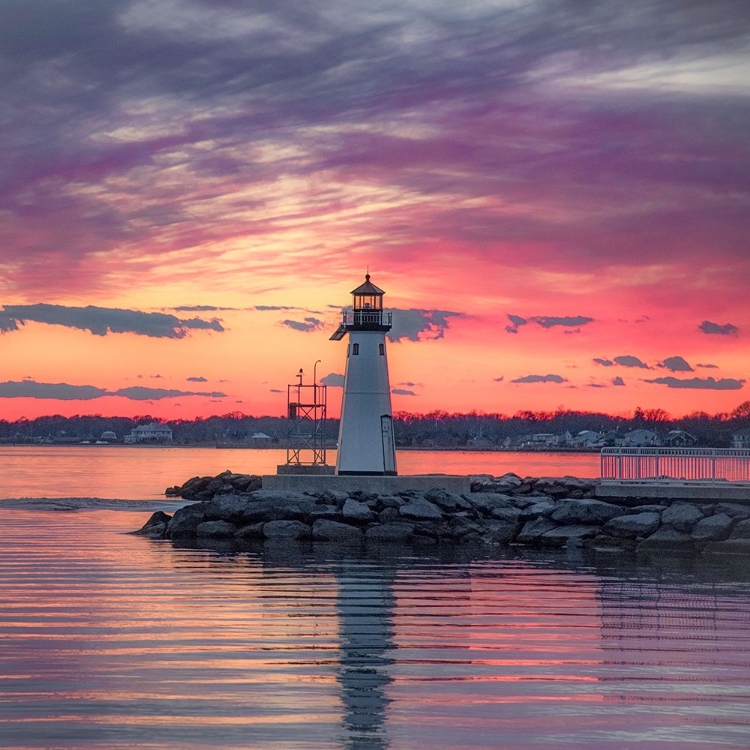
(539, 512)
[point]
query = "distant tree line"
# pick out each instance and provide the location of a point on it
(433, 429)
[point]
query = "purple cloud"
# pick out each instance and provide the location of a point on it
(725, 384)
(722, 330)
(540, 379)
(629, 360)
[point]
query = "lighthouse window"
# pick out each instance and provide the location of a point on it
(382, 349)
(355, 348)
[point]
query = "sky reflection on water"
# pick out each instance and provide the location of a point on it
(111, 640)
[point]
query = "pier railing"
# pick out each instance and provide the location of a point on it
(690, 464)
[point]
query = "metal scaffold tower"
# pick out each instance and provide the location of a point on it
(306, 410)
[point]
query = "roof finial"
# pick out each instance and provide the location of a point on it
(367, 273)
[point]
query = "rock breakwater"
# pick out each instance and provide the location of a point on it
(539, 512)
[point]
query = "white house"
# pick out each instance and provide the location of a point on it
(741, 439)
(587, 439)
(108, 435)
(639, 439)
(154, 432)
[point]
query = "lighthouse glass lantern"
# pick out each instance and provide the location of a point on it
(366, 444)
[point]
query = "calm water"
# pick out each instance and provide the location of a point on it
(135, 473)
(109, 640)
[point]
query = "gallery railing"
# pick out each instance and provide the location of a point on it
(692, 464)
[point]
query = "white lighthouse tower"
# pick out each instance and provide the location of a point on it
(366, 444)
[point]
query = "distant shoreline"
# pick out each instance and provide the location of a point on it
(237, 446)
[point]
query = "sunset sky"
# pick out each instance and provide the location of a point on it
(555, 197)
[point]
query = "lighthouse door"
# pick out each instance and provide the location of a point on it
(389, 452)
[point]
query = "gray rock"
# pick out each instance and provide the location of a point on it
(526, 501)
(485, 502)
(584, 511)
(333, 531)
(637, 525)
(227, 507)
(681, 516)
(155, 526)
(357, 512)
(389, 515)
(551, 486)
(532, 531)
(507, 515)
(734, 510)
(251, 531)
(390, 532)
(741, 530)
(420, 509)
(713, 529)
(266, 505)
(648, 509)
(336, 496)
(216, 529)
(462, 527)
(447, 501)
(665, 538)
(538, 510)
(433, 529)
(391, 501)
(185, 521)
(563, 534)
(286, 530)
(331, 512)
(499, 531)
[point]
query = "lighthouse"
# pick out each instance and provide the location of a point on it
(366, 444)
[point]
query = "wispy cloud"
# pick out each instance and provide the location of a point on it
(540, 379)
(676, 364)
(725, 384)
(402, 392)
(68, 392)
(628, 360)
(420, 325)
(548, 321)
(334, 379)
(722, 330)
(306, 326)
(102, 321)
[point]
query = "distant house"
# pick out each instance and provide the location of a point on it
(108, 435)
(639, 439)
(587, 439)
(741, 439)
(260, 438)
(152, 433)
(679, 439)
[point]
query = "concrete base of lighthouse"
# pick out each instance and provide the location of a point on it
(382, 485)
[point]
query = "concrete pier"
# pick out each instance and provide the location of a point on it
(382, 485)
(676, 489)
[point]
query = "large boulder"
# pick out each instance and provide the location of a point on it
(230, 507)
(185, 521)
(333, 531)
(533, 531)
(499, 531)
(715, 528)
(734, 510)
(419, 509)
(447, 501)
(584, 511)
(681, 516)
(356, 512)
(155, 526)
(667, 538)
(486, 502)
(216, 529)
(269, 505)
(542, 509)
(636, 525)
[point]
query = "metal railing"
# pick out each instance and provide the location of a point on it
(365, 318)
(691, 464)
